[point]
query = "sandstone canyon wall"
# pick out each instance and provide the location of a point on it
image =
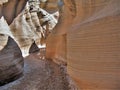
(28, 27)
(25, 32)
(11, 59)
(50, 5)
(11, 9)
(57, 50)
(87, 39)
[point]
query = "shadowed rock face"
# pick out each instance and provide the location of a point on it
(33, 48)
(11, 62)
(56, 42)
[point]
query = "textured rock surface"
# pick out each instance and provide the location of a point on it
(33, 48)
(93, 56)
(11, 9)
(92, 48)
(58, 37)
(41, 74)
(24, 29)
(50, 5)
(11, 62)
(24, 32)
(3, 41)
(27, 28)
(86, 38)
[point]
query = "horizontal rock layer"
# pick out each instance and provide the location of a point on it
(92, 43)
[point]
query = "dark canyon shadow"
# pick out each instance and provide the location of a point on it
(11, 62)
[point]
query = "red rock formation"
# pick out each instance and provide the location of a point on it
(87, 38)
(56, 42)
(11, 62)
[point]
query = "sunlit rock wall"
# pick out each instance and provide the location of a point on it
(28, 27)
(24, 32)
(50, 5)
(3, 1)
(92, 43)
(3, 40)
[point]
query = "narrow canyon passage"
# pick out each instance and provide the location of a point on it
(81, 37)
(40, 74)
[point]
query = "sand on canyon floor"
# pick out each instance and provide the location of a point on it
(41, 74)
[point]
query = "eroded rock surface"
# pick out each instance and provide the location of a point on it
(41, 74)
(28, 27)
(86, 39)
(26, 30)
(50, 5)
(3, 40)
(11, 62)
(11, 8)
(33, 48)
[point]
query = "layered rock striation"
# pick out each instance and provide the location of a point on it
(32, 25)
(87, 39)
(25, 33)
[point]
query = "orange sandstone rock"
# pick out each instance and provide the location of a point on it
(92, 46)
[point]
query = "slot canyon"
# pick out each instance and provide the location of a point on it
(59, 44)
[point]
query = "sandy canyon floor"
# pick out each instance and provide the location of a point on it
(41, 74)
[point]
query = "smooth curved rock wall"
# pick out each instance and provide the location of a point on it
(92, 43)
(56, 41)
(11, 62)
